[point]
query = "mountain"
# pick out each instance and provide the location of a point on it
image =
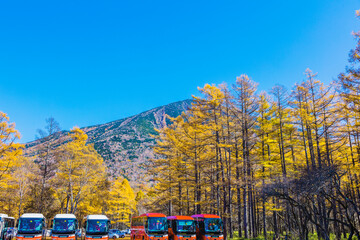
(126, 144)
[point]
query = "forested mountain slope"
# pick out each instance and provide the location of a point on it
(126, 144)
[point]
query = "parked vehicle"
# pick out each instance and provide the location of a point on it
(181, 228)
(97, 227)
(116, 233)
(6, 224)
(208, 227)
(149, 226)
(79, 233)
(11, 234)
(64, 227)
(31, 226)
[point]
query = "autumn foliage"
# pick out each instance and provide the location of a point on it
(282, 163)
(60, 178)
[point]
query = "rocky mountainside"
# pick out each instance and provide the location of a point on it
(126, 144)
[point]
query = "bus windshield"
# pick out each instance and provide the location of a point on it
(62, 225)
(186, 226)
(30, 225)
(97, 226)
(157, 224)
(213, 225)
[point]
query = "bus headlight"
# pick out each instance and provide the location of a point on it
(193, 236)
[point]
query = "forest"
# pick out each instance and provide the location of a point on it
(277, 164)
(60, 178)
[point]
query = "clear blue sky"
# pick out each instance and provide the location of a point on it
(89, 62)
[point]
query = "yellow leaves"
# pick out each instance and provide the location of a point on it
(122, 201)
(80, 169)
(139, 196)
(9, 150)
(13, 166)
(274, 209)
(213, 94)
(78, 135)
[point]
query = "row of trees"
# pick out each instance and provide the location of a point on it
(271, 164)
(63, 175)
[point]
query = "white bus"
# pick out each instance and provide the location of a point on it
(7, 225)
(97, 227)
(31, 226)
(64, 227)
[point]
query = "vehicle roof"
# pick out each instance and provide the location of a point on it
(152, 215)
(179, 217)
(3, 215)
(205, 216)
(97, 217)
(32, 215)
(65, 216)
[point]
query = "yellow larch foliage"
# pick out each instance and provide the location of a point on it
(80, 169)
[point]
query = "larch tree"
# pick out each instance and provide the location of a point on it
(9, 148)
(10, 153)
(42, 192)
(122, 203)
(80, 168)
(23, 175)
(246, 102)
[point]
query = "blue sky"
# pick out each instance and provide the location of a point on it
(90, 62)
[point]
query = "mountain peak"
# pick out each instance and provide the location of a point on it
(126, 144)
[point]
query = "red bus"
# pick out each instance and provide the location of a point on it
(149, 226)
(208, 227)
(181, 228)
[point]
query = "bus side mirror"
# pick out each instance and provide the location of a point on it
(17, 223)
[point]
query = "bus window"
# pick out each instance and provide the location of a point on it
(157, 224)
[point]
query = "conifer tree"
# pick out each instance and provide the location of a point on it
(9, 148)
(80, 168)
(246, 104)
